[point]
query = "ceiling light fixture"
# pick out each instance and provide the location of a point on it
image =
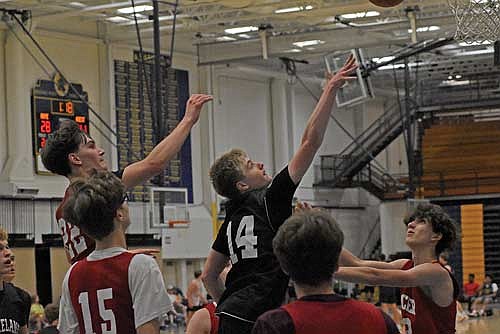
(117, 19)
(138, 9)
(225, 39)
(425, 29)
(360, 15)
(382, 59)
(303, 44)
(240, 30)
(293, 9)
(77, 4)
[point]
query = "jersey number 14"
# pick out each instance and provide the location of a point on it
(245, 239)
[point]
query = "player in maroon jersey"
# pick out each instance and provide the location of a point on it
(72, 153)
(111, 290)
(428, 290)
(308, 246)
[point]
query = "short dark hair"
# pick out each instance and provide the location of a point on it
(441, 223)
(93, 203)
(308, 247)
(59, 145)
(51, 312)
(197, 273)
(472, 275)
(226, 171)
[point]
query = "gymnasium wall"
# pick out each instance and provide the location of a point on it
(25, 268)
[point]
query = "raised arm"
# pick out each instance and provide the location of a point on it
(215, 264)
(318, 122)
(157, 160)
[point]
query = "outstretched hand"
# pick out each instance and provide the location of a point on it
(194, 106)
(337, 80)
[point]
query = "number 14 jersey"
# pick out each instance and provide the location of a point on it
(255, 282)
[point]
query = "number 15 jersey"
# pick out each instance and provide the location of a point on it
(113, 292)
(255, 282)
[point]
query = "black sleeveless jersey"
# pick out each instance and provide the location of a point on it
(15, 306)
(255, 283)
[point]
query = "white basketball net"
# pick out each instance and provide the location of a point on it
(478, 21)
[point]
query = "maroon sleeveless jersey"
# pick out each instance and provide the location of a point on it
(214, 319)
(100, 295)
(349, 316)
(77, 244)
(421, 315)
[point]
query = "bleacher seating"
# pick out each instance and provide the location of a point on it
(461, 159)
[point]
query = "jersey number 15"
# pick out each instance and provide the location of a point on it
(109, 326)
(245, 239)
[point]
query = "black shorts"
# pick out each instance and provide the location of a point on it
(388, 295)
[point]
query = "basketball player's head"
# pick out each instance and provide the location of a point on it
(71, 152)
(308, 247)
(98, 205)
(234, 173)
(429, 225)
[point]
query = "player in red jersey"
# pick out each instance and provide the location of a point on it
(308, 246)
(72, 153)
(428, 290)
(112, 290)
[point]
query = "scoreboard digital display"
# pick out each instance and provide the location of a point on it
(52, 103)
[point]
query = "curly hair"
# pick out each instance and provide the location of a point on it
(441, 223)
(226, 171)
(59, 145)
(93, 203)
(308, 247)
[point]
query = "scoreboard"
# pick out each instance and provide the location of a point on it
(51, 103)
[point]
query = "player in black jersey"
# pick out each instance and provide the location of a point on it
(15, 303)
(258, 205)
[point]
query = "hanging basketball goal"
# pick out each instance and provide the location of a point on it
(478, 21)
(168, 207)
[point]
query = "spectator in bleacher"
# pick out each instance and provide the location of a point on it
(36, 309)
(52, 319)
(471, 288)
(487, 292)
(308, 246)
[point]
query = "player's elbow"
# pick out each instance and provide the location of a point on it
(154, 166)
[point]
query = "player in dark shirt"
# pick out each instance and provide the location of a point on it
(258, 205)
(308, 246)
(70, 152)
(15, 303)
